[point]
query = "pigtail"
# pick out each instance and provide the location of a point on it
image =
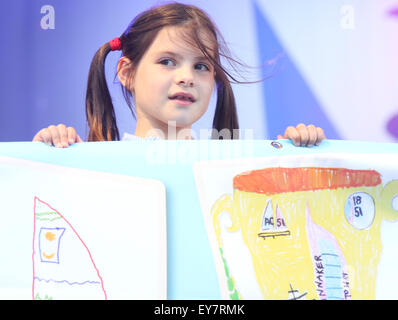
(99, 108)
(225, 116)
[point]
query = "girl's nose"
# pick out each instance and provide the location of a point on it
(185, 77)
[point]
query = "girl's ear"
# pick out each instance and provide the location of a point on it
(125, 73)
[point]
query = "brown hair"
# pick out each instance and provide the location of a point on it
(135, 41)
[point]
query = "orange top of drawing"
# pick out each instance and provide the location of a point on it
(280, 180)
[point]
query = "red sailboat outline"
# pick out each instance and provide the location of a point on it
(73, 229)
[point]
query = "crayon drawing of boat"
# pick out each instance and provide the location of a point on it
(273, 226)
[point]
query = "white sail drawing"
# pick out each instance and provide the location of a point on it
(273, 226)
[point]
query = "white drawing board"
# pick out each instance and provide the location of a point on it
(77, 234)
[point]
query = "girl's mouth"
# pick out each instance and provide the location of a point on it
(183, 98)
(182, 101)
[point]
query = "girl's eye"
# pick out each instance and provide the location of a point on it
(202, 67)
(171, 63)
(167, 62)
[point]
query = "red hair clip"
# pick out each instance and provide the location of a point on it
(115, 44)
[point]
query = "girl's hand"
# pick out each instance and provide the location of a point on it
(304, 136)
(60, 136)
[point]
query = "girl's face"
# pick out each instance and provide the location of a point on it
(172, 83)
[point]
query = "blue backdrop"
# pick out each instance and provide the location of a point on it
(325, 61)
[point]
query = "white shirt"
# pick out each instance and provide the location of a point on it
(132, 137)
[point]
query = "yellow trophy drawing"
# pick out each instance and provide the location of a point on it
(312, 232)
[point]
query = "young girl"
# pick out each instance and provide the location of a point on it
(171, 61)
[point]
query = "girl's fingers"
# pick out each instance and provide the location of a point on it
(320, 136)
(304, 135)
(293, 134)
(56, 141)
(312, 135)
(60, 136)
(43, 136)
(72, 135)
(63, 135)
(46, 135)
(38, 137)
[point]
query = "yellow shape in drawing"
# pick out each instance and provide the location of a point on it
(50, 236)
(50, 256)
(337, 208)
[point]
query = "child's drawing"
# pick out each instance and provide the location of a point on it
(311, 232)
(82, 234)
(63, 266)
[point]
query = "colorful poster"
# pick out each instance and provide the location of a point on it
(303, 227)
